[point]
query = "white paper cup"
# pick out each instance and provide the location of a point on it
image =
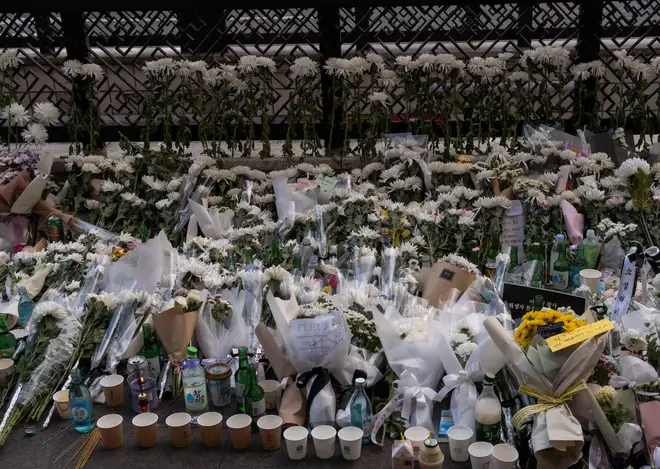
(460, 438)
(591, 278)
(210, 425)
(146, 429)
(296, 442)
(324, 441)
(416, 435)
(504, 456)
(481, 453)
(111, 430)
(178, 426)
(239, 430)
(270, 389)
(350, 439)
(61, 399)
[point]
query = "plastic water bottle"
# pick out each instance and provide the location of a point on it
(591, 249)
(194, 384)
(25, 306)
(80, 401)
(361, 411)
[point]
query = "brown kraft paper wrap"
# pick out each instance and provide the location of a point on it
(175, 329)
(441, 279)
(292, 404)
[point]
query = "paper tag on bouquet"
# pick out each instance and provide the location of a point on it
(626, 287)
(326, 183)
(513, 227)
(314, 338)
(561, 341)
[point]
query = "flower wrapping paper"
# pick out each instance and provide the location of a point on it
(557, 437)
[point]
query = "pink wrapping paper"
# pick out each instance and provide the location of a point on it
(573, 221)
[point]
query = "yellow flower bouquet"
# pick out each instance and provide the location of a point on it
(535, 320)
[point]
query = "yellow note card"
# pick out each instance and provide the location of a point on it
(566, 339)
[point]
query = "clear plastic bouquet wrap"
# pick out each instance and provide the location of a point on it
(221, 324)
(53, 339)
(252, 279)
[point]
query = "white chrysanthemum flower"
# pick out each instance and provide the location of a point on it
(408, 248)
(71, 68)
(493, 202)
(173, 196)
(73, 286)
(90, 168)
(133, 199)
(413, 329)
(630, 167)
(155, 184)
(460, 262)
(9, 60)
(91, 71)
(248, 64)
(50, 308)
(379, 98)
(304, 67)
(92, 204)
(277, 273)
(35, 133)
(412, 183)
(46, 113)
(375, 59)
(163, 203)
(16, 114)
(466, 349)
(392, 173)
(397, 184)
(406, 62)
(594, 194)
(4, 258)
(110, 186)
(388, 79)
(458, 338)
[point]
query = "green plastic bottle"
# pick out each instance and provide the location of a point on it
(561, 269)
(591, 249)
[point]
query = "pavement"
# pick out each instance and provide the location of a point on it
(36, 452)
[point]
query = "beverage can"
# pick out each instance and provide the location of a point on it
(54, 228)
(138, 365)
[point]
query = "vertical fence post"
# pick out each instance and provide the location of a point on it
(588, 49)
(329, 46)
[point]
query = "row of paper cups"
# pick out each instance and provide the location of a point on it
(481, 454)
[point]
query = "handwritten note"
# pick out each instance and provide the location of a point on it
(314, 338)
(513, 227)
(326, 183)
(561, 341)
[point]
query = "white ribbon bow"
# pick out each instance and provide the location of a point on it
(464, 398)
(416, 398)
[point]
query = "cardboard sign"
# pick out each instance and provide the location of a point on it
(567, 339)
(520, 300)
(441, 279)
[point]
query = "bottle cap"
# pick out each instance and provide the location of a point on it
(191, 352)
(360, 381)
(489, 379)
(559, 237)
(591, 234)
(430, 442)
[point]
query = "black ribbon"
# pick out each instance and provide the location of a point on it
(321, 377)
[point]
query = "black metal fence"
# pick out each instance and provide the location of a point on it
(121, 35)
